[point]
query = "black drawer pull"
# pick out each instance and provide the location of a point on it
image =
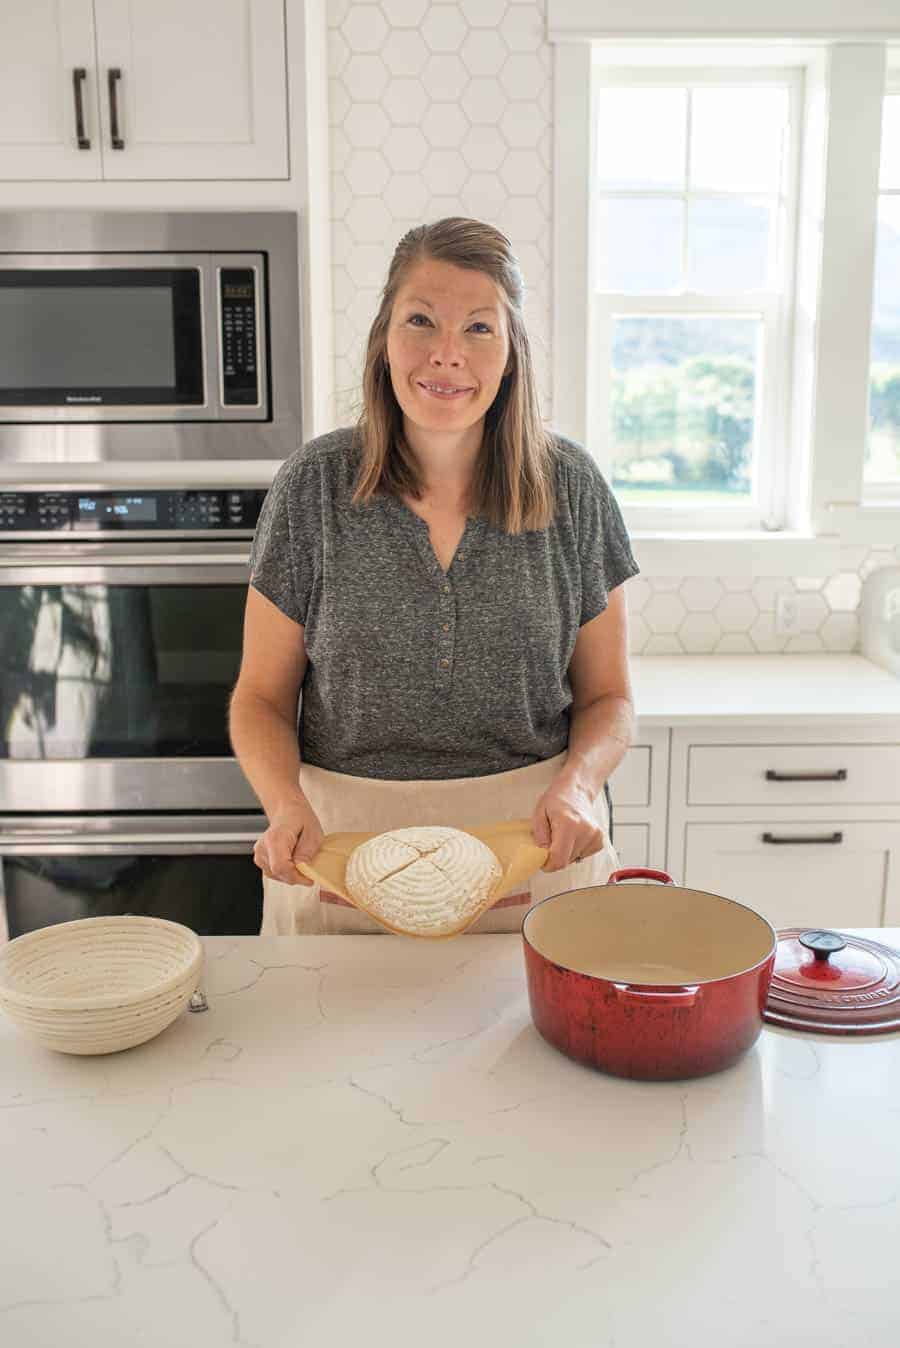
(836, 837)
(839, 776)
(79, 75)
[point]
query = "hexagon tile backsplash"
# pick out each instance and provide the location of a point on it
(445, 109)
(736, 615)
(435, 109)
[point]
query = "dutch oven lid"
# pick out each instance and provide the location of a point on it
(834, 983)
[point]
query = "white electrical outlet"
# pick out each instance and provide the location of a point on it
(787, 615)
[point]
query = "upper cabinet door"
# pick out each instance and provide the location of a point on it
(192, 88)
(48, 75)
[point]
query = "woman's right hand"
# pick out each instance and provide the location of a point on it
(294, 834)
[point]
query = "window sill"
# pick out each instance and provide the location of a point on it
(747, 552)
(876, 522)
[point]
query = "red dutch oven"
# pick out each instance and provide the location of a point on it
(651, 981)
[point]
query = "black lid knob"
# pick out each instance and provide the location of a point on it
(822, 943)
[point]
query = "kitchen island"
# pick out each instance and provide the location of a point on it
(365, 1141)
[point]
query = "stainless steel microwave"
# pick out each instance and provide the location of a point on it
(128, 334)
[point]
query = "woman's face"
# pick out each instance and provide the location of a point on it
(447, 346)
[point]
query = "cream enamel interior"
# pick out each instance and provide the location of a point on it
(647, 933)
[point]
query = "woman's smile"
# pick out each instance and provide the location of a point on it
(444, 392)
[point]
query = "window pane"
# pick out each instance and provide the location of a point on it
(890, 143)
(640, 138)
(683, 406)
(728, 243)
(639, 244)
(737, 139)
(882, 459)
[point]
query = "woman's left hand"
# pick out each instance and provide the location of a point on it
(564, 820)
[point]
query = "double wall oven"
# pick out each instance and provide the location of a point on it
(121, 615)
(141, 353)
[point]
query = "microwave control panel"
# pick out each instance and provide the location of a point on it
(240, 367)
(185, 510)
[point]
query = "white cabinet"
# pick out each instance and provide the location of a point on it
(160, 89)
(812, 873)
(48, 69)
(802, 825)
(632, 842)
(639, 789)
(783, 773)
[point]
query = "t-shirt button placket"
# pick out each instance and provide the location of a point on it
(444, 662)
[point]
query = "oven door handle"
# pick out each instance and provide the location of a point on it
(114, 569)
(139, 844)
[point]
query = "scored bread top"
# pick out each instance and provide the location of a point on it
(426, 880)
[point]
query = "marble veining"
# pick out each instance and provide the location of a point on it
(365, 1138)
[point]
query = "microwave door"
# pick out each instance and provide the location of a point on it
(124, 338)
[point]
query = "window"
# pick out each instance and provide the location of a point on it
(881, 468)
(690, 265)
(726, 333)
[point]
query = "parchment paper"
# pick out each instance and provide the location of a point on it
(511, 842)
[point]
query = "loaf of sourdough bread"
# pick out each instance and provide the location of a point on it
(426, 881)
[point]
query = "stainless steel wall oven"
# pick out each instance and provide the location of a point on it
(121, 614)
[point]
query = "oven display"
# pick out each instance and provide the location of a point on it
(143, 513)
(91, 510)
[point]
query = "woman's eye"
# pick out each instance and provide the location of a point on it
(478, 325)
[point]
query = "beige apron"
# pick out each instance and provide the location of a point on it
(374, 805)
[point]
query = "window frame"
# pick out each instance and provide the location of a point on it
(826, 369)
(877, 495)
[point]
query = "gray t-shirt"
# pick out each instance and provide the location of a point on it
(414, 673)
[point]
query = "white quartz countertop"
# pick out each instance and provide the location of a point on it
(758, 689)
(365, 1141)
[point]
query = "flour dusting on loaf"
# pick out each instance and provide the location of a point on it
(426, 881)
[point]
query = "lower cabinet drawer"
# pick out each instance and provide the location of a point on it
(632, 842)
(832, 775)
(803, 873)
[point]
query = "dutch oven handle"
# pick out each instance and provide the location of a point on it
(640, 873)
(685, 995)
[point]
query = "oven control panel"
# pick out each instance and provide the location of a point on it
(185, 510)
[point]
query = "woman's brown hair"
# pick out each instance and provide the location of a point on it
(513, 486)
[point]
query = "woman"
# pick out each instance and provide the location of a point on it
(444, 582)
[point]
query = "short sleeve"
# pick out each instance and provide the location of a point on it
(604, 548)
(286, 550)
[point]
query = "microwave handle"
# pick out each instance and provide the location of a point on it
(138, 844)
(114, 74)
(79, 75)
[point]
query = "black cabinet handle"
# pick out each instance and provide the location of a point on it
(113, 75)
(79, 75)
(839, 776)
(836, 837)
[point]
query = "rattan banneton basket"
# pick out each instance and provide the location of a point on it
(100, 984)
